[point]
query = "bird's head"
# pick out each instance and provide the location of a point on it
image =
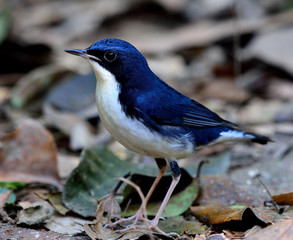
(116, 57)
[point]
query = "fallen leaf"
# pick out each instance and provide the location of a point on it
(181, 226)
(282, 231)
(55, 199)
(97, 231)
(34, 213)
(183, 196)
(283, 199)
(221, 190)
(239, 217)
(29, 155)
(93, 179)
(66, 225)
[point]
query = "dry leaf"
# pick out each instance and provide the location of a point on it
(245, 216)
(282, 231)
(283, 199)
(29, 155)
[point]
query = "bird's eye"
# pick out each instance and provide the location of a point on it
(110, 56)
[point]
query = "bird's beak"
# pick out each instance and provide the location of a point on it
(82, 53)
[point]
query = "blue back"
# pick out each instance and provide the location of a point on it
(147, 98)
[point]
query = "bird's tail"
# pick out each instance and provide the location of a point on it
(258, 138)
(238, 135)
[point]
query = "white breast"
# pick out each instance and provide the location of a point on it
(133, 134)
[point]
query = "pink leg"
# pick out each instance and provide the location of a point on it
(155, 221)
(139, 214)
(176, 173)
(148, 196)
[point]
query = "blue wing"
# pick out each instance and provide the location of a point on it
(166, 106)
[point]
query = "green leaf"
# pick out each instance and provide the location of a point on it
(93, 178)
(11, 185)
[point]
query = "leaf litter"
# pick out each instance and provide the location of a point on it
(180, 37)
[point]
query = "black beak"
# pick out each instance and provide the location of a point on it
(82, 53)
(77, 52)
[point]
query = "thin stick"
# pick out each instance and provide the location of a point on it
(137, 188)
(262, 183)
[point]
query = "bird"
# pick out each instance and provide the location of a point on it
(149, 117)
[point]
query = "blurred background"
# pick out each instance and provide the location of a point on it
(236, 57)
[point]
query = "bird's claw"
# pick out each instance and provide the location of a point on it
(148, 227)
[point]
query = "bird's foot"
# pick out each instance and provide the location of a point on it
(135, 218)
(149, 226)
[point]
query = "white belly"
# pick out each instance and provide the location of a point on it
(131, 133)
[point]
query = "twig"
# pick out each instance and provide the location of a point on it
(137, 188)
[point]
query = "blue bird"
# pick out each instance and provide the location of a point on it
(149, 117)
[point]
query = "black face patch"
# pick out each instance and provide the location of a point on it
(95, 53)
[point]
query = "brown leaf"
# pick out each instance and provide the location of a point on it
(29, 155)
(213, 215)
(283, 199)
(55, 199)
(282, 231)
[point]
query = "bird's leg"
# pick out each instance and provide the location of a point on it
(162, 165)
(153, 224)
(176, 174)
